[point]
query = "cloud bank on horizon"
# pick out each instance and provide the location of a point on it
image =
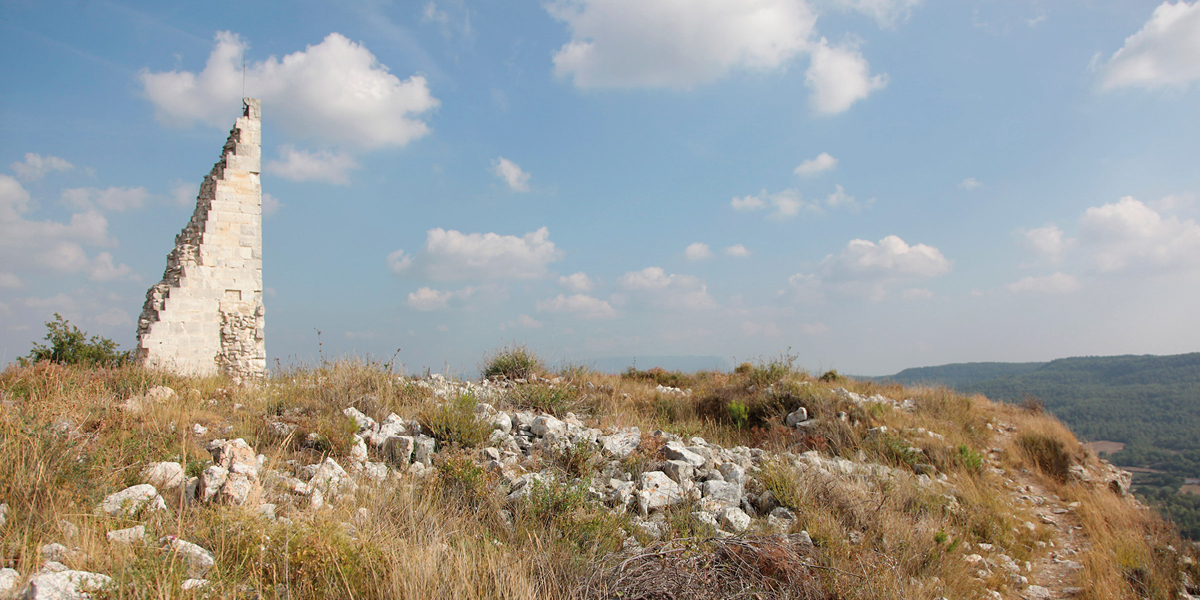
(910, 209)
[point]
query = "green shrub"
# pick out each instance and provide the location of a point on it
(739, 413)
(454, 423)
(516, 362)
(578, 458)
(969, 459)
(462, 480)
(70, 346)
(784, 483)
(831, 376)
(556, 400)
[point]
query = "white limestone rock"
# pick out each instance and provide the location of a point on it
(9, 578)
(64, 585)
(424, 449)
(131, 501)
(332, 480)
(721, 494)
(677, 451)
(734, 519)
(797, 417)
(678, 470)
(165, 476)
(198, 560)
(129, 535)
(547, 425)
(193, 584)
(362, 421)
(657, 491)
(399, 449)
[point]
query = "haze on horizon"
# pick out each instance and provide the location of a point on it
(874, 184)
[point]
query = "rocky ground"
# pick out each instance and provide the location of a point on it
(729, 496)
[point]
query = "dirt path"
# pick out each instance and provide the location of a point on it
(1055, 573)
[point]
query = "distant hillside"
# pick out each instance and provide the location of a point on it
(1149, 401)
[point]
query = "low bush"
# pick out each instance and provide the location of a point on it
(1048, 453)
(556, 399)
(455, 424)
(515, 362)
(70, 346)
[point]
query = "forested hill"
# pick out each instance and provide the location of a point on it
(1149, 401)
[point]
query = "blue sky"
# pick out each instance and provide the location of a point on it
(874, 184)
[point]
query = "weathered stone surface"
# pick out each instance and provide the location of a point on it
(781, 520)
(424, 449)
(55, 552)
(234, 478)
(677, 451)
(362, 421)
(548, 425)
(721, 493)
(332, 480)
(198, 560)
(399, 448)
(678, 470)
(797, 417)
(129, 535)
(211, 481)
(657, 490)
(132, 500)
(732, 473)
(63, 585)
(620, 445)
(734, 519)
(9, 578)
(193, 584)
(164, 475)
(206, 316)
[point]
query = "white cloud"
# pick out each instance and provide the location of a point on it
(1058, 283)
(1165, 52)
(917, 294)
(752, 329)
(1128, 234)
(335, 91)
(427, 299)
(270, 205)
(523, 322)
(970, 183)
(432, 14)
(891, 257)
(839, 77)
(815, 166)
(36, 167)
(1048, 241)
(737, 251)
(511, 174)
(113, 198)
(301, 165)
(787, 203)
(8, 280)
(55, 245)
(839, 198)
(454, 256)
(674, 292)
(676, 43)
(579, 305)
(885, 12)
(576, 282)
(113, 318)
(697, 251)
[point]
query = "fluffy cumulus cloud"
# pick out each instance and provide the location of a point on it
(335, 92)
(789, 203)
(576, 282)
(697, 251)
(35, 166)
(511, 174)
(113, 198)
(450, 255)
(1128, 234)
(1049, 242)
(815, 166)
(1058, 283)
(676, 43)
(737, 251)
(866, 268)
(428, 299)
(839, 77)
(580, 306)
(57, 246)
(673, 292)
(1165, 52)
(301, 165)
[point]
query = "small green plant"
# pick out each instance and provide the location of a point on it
(516, 362)
(578, 458)
(775, 370)
(70, 346)
(555, 400)
(940, 537)
(461, 479)
(454, 423)
(830, 376)
(739, 413)
(895, 450)
(969, 459)
(784, 483)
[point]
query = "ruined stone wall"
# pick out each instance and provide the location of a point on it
(206, 315)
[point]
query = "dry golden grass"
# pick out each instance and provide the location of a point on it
(66, 443)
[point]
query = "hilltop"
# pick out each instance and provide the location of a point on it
(347, 480)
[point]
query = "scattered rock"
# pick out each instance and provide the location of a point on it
(132, 500)
(620, 445)
(8, 581)
(128, 535)
(657, 491)
(797, 417)
(198, 559)
(64, 585)
(677, 451)
(55, 552)
(193, 584)
(735, 519)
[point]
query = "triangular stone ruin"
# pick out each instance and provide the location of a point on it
(206, 315)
